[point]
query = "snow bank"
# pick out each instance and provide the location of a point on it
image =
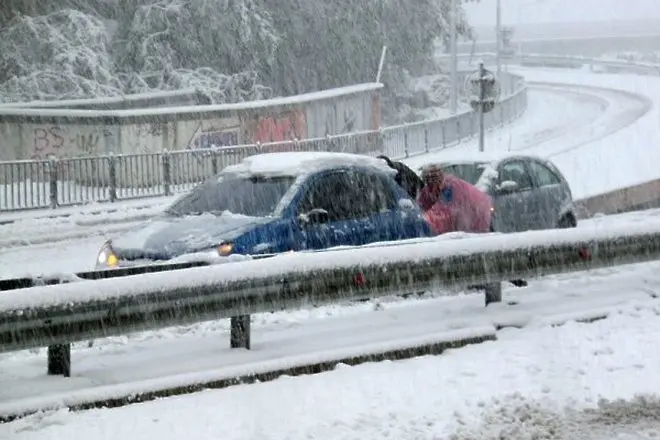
(193, 354)
(474, 392)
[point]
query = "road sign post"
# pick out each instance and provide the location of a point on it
(484, 90)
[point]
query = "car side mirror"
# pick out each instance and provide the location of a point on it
(507, 187)
(315, 216)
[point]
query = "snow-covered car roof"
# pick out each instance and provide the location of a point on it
(299, 163)
(492, 158)
(491, 161)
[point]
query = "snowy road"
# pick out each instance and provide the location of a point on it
(578, 125)
(556, 114)
(625, 158)
(474, 392)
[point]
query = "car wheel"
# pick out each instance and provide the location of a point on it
(567, 221)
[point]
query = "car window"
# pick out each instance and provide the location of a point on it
(470, 172)
(335, 193)
(255, 196)
(543, 175)
(347, 195)
(374, 193)
(516, 172)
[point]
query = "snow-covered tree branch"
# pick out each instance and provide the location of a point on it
(232, 50)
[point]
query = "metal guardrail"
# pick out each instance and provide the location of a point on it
(31, 184)
(57, 315)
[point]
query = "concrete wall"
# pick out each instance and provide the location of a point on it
(37, 133)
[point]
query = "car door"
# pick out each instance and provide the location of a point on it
(551, 193)
(514, 210)
(379, 215)
(339, 193)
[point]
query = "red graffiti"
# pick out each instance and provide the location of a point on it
(284, 127)
(47, 141)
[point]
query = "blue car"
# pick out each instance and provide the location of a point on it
(274, 203)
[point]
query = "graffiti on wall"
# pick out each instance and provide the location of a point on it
(285, 126)
(215, 133)
(67, 141)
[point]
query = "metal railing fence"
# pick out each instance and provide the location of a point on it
(52, 183)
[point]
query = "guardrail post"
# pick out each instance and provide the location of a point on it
(52, 179)
(493, 293)
(327, 143)
(214, 161)
(167, 173)
(444, 134)
(381, 140)
(459, 137)
(405, 142)
(112, 177)
(426, 138)
(59, 360)
(239, 336)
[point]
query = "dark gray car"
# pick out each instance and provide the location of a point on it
(528, 192)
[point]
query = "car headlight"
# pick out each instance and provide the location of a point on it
(107, 257)
(225, 249)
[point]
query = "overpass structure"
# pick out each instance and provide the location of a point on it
(586, 46)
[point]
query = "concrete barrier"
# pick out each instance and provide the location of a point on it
(38, 133)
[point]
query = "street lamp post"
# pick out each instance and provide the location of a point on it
(453, 74)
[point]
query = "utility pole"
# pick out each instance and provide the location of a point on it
(498, 36)
(482, 100)
(485, 91)
(453, 75)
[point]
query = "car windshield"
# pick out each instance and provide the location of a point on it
(253, 196)
(469, 172)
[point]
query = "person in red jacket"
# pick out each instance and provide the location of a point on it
(451, 204)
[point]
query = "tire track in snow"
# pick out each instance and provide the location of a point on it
(606, 124)
(516, 418)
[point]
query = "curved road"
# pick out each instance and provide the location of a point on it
(559, 118)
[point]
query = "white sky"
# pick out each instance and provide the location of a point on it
(561, 11)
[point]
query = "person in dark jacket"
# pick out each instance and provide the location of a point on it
(405, 177)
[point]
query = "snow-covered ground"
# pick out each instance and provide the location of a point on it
(628, 157)
(523, 381)
(38, 227)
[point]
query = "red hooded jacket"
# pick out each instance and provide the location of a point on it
(455, 205)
